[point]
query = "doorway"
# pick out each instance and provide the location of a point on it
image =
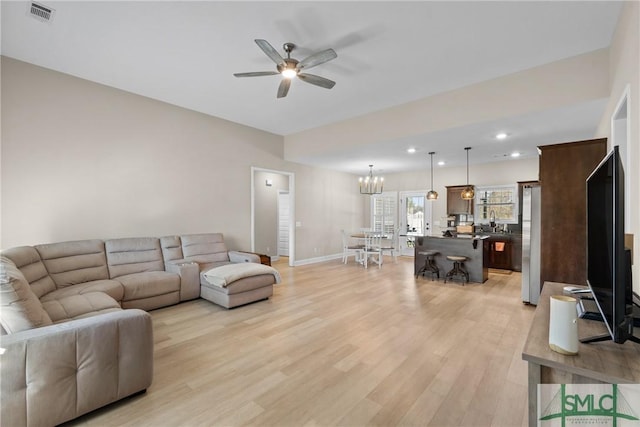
(266, 187)
(415, 219)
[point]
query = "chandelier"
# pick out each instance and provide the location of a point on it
(370, 184)
(468, 193)
(432, 194)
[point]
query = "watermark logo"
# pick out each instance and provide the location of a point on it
(588, 404)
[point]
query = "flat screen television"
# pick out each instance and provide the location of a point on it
(608, 263)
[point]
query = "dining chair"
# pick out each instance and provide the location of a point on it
(390, 244)
(372, 252)
(349, 249)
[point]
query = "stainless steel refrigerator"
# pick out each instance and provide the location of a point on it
(531, 243)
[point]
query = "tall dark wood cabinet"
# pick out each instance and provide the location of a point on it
(563, 171)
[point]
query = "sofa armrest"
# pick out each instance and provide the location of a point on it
(240, 256)
(56, 373)
(189, 273)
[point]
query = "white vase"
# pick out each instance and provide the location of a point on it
(563, 325)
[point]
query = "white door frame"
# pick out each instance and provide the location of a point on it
(292, 204)
(620, 135)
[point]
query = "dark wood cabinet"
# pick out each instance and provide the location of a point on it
(500, 253)
(455, 204)
(563, 171)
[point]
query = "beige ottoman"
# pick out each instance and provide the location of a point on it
(238, 284)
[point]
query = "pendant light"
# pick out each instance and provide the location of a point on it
(432, 195)
(370, 184)
(468, 193)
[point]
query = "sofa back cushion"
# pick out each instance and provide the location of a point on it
(133, 255)
(70, 263)
(28, 261)
(204, 248)
(20, 308)
(171, 248)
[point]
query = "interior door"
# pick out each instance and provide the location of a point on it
(415, 219)
(283, 223)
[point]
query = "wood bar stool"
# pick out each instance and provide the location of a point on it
(458, 268)
(429, 264)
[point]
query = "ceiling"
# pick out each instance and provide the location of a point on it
(389, 53)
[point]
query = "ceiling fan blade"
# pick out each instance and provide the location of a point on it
(283, 89)
(316, 80)
(270, 51)
(317, 59)
(256, 74)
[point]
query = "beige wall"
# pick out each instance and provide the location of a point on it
(625, 70)
(326, 202)
(81, 160)
(558, 84)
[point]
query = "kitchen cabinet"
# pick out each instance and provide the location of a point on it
(455, 204)
(563, 169)
(500, 253)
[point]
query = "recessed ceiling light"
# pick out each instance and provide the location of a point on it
(440, 163)
(515, 154)
(501, 135)
(411, 150)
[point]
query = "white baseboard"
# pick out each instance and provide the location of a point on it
(317, 259)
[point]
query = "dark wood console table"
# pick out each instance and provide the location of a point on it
(603, 362)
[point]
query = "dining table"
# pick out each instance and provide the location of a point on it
(361, 236)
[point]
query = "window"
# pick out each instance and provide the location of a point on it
(383, 212)
(502, 200)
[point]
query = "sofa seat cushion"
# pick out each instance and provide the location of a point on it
(20, 308)
(149, 284)
(80, 306)
(113, 288)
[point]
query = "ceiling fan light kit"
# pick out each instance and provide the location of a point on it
(290, 67)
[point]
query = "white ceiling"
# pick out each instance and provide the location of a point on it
(389, 53)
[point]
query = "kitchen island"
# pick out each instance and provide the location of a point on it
(475, 248)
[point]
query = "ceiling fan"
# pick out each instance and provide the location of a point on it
(289, 67)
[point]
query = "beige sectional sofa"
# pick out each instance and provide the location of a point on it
(73, 331)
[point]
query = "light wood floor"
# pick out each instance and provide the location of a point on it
(340, 345)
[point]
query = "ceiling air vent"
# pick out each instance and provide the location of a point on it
(40, 12)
